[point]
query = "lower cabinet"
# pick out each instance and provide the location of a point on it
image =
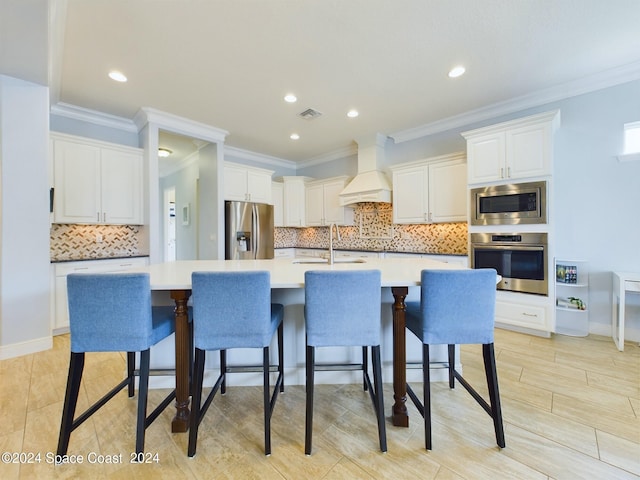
(60, 321)
(284, 253)
(457, 259)
(526, 313)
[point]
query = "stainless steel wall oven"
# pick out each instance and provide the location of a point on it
(520, 258)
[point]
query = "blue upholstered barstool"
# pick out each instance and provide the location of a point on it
(456, 307)
(234, 310)
(342, 308)
(112, 312)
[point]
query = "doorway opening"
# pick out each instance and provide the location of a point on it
(169, 224)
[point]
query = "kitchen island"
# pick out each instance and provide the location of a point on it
(400, 279)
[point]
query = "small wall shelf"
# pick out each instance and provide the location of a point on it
(572, 297)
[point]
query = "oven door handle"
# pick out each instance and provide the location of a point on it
(531, 248)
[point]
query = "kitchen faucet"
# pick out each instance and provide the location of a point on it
(331, 241)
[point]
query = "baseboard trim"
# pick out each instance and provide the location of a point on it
(25, 348)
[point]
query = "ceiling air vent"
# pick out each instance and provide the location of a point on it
(309, 114)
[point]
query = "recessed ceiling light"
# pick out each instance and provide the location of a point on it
(164, 152)
(117, 76)
(456, 71)
(352, 113)
(290, 98)
(294, 136)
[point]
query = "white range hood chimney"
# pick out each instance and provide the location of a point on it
(370, 184)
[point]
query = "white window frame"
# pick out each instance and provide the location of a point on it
(631, 142)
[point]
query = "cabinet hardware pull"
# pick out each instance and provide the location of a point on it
(508, 172)
(529, 314)
(502, 172)
(98, 217)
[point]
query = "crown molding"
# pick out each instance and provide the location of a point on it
(599, 81)
(330, 156)
(67, 110)
(176, 124)
(258, 157)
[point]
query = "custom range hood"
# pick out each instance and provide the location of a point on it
(370, 184)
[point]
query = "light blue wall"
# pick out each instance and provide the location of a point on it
(275, 166)
(185, 183)
(342, 166)
(596, 198)
(72, 126)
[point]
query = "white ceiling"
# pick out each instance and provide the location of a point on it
(228, 63)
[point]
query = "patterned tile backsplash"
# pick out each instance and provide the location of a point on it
(81, 242)
(373, 230)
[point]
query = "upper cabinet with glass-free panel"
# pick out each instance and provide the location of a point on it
(512, 150)
(247, 184)
(431, 190)
(96, 182)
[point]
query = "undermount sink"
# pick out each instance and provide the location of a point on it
(325, 261)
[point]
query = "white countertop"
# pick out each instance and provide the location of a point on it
(286, 273)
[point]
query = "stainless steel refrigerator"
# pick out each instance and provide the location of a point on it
(248, 230)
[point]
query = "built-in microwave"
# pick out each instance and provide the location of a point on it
(511, 204)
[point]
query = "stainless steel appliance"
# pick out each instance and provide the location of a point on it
(248, 230)
(520, 258)
(511, 204)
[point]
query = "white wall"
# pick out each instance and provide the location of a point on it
(25, 325)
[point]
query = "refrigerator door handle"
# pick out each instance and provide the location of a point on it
(256, 230)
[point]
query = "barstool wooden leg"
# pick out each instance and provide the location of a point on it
(76, 366)
(379, 396)
(426, 391)
(196, 402)
(143, 390)
(365, 365)
(452, 365)
(223, 371)
(281, 354)
(266, 398)
(310, 367)
(131, 366)
(489, 357)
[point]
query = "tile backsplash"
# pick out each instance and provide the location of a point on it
(374, 230)
(80, 242)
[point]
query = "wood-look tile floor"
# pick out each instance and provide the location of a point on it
(571, 408)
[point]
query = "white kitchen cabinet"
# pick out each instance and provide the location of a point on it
(60, 272)
(357, 254)
(310, 252)
(462, 260)
(247, 184)
(323, 203)
(525, 313)
(294, 201)
(516, 149)
(431, 190)
(277, 199)
(284, 253)
(96, 182)
(572, 297)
